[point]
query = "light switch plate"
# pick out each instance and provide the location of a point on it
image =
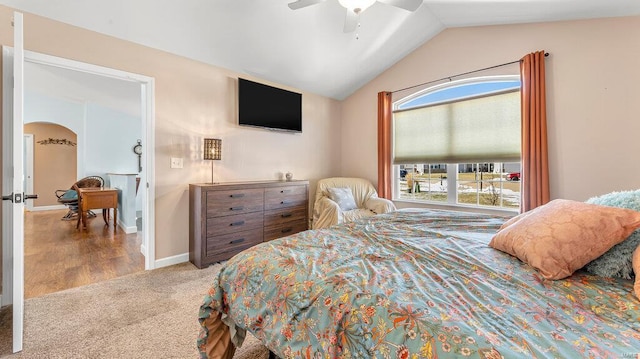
(176, 162)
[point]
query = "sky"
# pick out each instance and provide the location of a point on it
(458, 92)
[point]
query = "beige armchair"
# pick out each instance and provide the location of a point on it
(344, 199)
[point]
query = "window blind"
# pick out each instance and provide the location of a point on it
(481, 129)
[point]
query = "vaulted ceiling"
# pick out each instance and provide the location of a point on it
(306, 48)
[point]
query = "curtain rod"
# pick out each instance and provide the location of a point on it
(546, 54)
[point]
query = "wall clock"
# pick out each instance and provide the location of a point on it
(137, 149)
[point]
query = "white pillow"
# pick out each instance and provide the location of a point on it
(343, 197)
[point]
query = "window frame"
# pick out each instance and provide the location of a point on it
(452, 169)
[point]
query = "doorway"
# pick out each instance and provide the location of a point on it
(146, 95)
(58, 256)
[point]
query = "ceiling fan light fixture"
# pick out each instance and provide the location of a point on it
(356, 6)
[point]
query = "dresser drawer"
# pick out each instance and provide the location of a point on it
(285, 229)
(283, 197)
(227, 245)
(284, 215)
(224, 203)
(238, 222)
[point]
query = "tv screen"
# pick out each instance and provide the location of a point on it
(261, 105)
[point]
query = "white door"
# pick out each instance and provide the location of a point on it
(12, 187)
(28, 168)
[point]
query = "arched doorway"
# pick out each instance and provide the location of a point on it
(54, 156)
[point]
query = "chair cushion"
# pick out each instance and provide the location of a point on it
(343, 197)
(68, 197)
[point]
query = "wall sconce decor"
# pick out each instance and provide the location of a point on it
(212, 151)
(57, 141)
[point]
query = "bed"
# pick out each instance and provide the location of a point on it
(412, 284)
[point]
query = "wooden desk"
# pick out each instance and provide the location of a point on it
(95, 198)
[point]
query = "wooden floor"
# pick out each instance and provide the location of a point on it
(58, 256)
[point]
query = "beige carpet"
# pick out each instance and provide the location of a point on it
(144, 315)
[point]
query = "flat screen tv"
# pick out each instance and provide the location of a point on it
(260, 105)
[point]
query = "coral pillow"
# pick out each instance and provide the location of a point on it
(513, 220)
(562, 236)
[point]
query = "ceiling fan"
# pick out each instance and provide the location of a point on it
(355, 7)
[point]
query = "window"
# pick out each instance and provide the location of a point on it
(459, 144)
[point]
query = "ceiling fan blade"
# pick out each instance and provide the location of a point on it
(351, 21)
(303, 3)
(411, 5)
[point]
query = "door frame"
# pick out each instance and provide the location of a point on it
(147, 94)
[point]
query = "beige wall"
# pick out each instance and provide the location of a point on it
(195, 100)
(593, 96)
(54, 166)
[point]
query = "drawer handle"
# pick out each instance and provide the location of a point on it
(283, 202)
(236, 208)
(237, 195)
(286, 230)
(237, 241)
(239, 223)
(283, 191)
(286, 215)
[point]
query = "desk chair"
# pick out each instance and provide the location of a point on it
(69, 197)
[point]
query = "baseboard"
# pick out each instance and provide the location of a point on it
(47, 208)
(169, 261)
(128, 230)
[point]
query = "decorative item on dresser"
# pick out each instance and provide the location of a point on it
(227, 218)
(212, 151)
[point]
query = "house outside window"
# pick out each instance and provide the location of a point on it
(459, 144)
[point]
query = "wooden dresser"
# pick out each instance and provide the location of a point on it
(229, 217)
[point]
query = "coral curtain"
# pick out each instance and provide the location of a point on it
(384, 145)
(535, 158)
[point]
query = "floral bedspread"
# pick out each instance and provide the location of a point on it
(418, 284)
